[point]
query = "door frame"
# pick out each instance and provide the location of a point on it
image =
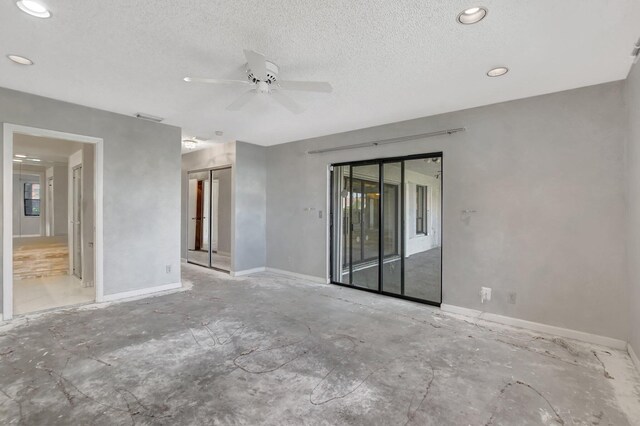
(330, 234)
(50, 219)
(8, 131)
(72, 213)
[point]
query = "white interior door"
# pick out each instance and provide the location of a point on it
(50, 218)
(77, 222)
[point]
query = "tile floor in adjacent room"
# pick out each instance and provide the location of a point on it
(40, 294)
(269, 349)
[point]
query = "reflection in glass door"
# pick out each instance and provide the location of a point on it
(199, 217)
(209, 218)
(385, 226)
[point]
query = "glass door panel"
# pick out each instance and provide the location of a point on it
(341, 224)
(221, 219)
(365, 232)
(423, 251)
(199, 218)
(391, 230)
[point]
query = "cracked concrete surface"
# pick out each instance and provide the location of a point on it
(268, 349)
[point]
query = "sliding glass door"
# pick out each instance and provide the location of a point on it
(385, 226)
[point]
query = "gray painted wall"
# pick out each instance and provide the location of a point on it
(633, 215)
(225, 208)
(60, 200)
(250, 187)
(545, 176)
(141, 185)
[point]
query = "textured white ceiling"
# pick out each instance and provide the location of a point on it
(387, 60)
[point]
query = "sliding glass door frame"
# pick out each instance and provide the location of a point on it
(380, 162)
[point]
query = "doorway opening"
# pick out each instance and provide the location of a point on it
(52, 220)
(385, 226)
(209, 213)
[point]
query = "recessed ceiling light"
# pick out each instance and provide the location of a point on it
(472, 15)
(37, 160)
(21, 60)
(497, 72)
(20, 156)
(15, 160)
(190, 143)
(34, 8)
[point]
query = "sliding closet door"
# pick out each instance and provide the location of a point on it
(199, 204)
(221, 219)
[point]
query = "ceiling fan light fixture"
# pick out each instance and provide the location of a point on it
(497, 72)
(34, 8)
(472, 15)
(20, 60)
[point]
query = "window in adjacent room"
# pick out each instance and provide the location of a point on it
(32, 199)
(421, 209)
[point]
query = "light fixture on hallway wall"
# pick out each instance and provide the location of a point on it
(34, 8)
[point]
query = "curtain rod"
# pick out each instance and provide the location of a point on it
(389, 141)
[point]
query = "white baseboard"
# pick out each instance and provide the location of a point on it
(140, 292)
(536, 326)
(633, 356)
(296, 275)
(247, 272)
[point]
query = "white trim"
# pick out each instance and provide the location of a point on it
(476, 315)
(247, 272)
(27, 236)
(311, 278)
(327, 225)
(633, 356)
(7, 206)
(141, 292)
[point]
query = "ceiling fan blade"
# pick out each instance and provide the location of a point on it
(242, 100)
(214, 81)
(306, 86)
(257, 64)
(286, 102)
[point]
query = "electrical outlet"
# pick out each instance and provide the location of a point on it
(485, 294)
(512, 298)
(168, 268)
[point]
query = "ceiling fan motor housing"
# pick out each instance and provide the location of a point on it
(272, 74)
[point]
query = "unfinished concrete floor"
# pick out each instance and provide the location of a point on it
(274, 350)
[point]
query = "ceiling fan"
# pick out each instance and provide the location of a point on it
(262, 77)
